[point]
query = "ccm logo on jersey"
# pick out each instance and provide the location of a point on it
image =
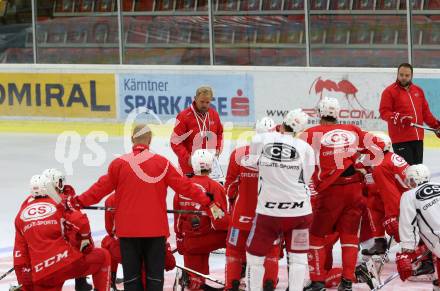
(38, 211)
(284, 205)
(280, 152)
(52, 260)
(338, 138)
(427, 192)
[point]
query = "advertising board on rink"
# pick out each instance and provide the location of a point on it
(168, 94)
(64, 95)
(358, 93)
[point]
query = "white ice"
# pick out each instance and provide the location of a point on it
(23, 155)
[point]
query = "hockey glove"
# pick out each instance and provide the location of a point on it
(86, 246)
(24, 276)
(215, 212)
(180, 245)
(71, 202)
(170, 261)
(404, 265)
(391, 225)
(401, 120)
(69, 191)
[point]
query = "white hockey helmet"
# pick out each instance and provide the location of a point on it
(297, 119)
(56, 177)
(202, 160)
(329, 107)
(386, 139)
(266, 124)
(417, 175)
(38, 186)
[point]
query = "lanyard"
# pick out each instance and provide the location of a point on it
(203, 128)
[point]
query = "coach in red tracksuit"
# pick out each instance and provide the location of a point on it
(197, 127)
(403, 103)
(111, 243)
(140, 180)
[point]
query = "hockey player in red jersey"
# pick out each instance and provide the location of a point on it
(43, 258)
(59, 183)
(198, 235)
(339, 187)
(388, 179)
(112, 244)
(242, 191)
(371, 227)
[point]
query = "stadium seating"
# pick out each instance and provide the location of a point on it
(250, 5)
(277, 33)
(294, 4)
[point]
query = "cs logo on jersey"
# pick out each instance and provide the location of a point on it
(427, 192)
(38, 211)
(280, 152)
(338, 138)
(397, 160)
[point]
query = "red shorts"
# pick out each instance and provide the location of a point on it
(266, 229)
(338, 209)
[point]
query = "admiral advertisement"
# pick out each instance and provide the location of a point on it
(64, 95)
(167, 95)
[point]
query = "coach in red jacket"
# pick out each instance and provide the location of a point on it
(404, 103)
(140, 180)
(197, 127)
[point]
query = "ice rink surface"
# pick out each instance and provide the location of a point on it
(23, 155)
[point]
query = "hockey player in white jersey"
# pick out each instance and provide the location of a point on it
(285, 164)
(419, 219)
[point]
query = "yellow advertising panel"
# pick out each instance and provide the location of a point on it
(58, 95)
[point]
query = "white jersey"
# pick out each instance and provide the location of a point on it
(420, 217)
(285, 166)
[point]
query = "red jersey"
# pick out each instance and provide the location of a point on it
(242, 185)
(39, 239)
(337, 147)
(389, 178)
(409, 102)
(140, 180)
(197, 225)
(194, 131)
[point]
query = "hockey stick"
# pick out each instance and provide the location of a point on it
(7, 273)
(395, 275)
(217, 172)
(195, 212)
(385, 257)
(99, 208)
(423, 127)
(200, 274)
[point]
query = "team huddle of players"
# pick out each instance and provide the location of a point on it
(294, 188)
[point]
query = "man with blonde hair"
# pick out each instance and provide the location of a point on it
(197, 127)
